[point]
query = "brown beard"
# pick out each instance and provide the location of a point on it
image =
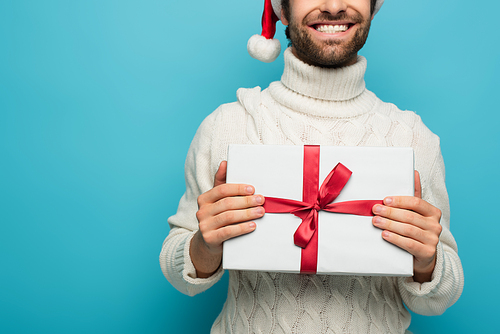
(331, 53)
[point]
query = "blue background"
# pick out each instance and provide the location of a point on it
(99, 101)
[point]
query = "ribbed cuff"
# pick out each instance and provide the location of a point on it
(178, 268)
(189, 272)
(427, 289)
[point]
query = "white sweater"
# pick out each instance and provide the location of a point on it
(312, 105)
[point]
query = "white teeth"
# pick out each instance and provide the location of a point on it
(329, 29)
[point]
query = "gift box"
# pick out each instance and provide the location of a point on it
(318, 209)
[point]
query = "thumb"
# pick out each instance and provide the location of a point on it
(418, 186)
(220, 176)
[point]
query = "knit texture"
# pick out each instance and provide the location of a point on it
(313, 105)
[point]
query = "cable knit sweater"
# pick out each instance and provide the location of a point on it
(312, 105)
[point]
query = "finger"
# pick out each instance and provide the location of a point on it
(400, 215)
(406, 230)
(225, 190)
(413, 203)
(231, 217)
(228, 232)
(234, 203)
(420, 251)
(220, 176)
(418, 186)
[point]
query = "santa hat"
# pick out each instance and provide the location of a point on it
(264, 47)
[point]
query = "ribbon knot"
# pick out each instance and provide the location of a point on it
(313, 201)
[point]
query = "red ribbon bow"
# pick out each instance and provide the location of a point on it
(314, 200)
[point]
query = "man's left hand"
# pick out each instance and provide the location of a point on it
(412, 224)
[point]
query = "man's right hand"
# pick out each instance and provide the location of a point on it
(225, 211)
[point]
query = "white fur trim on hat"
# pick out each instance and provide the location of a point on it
(378, 4)
(277, 6)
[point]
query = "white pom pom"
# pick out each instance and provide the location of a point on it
(263, 49)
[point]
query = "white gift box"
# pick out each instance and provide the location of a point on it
(348, 244)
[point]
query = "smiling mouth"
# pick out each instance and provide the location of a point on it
(332, 29)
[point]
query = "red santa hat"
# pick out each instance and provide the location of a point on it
(265, 47)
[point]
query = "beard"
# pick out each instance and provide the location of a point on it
(331, 53)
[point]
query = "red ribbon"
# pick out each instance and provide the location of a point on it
(314, 200)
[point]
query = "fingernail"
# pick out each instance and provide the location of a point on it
(259, 199)
(377, 221)
(386, 234)
(259, 210)
(252, 225)
(388, 200)
(249, 189)
(377, 209)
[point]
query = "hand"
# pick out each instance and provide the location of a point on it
(225, 211)
(413, 225)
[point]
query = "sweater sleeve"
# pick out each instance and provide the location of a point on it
(446, 285)
(175, 260)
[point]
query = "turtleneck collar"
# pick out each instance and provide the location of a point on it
(325, 92)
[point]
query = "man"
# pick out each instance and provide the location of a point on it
(321, 99)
